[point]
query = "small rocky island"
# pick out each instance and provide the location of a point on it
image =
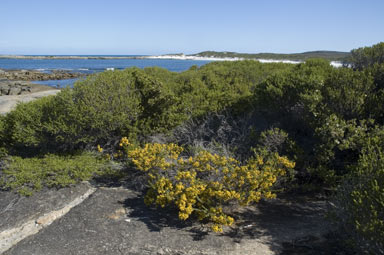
(34, 75)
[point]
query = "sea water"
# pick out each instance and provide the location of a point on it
(93, 65)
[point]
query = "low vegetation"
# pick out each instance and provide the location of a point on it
(26, 175)
(224, 133)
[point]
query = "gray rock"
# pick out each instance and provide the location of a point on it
(4, 89)
(116, 221)
(14, 90)
(23, 92)
(14, 87)
(25, 89)
(18, 209)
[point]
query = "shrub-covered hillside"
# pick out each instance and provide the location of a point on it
(224, 133)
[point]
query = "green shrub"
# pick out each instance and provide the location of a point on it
(322, 109)
(96, 110)
(220, 85)
(376, 100)
(360, 200)
(287, 90)
(2, 126)
(3, 150)
(110, 104)
(277, 140)
(132, 102)
(347, 93)
(367, 56)
(26, 175)
(26, 125)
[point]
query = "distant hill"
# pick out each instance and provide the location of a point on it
(329, 55)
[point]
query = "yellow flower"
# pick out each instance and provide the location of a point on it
(183, 216)
(196, 164)
(217, 228)
(192, 193)
(99, 148)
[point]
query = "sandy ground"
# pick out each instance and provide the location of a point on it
(8, 103)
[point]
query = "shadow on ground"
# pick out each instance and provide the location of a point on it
(277, 222)
(289, 223)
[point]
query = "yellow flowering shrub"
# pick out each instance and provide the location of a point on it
(203, 184)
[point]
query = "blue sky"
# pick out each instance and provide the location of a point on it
(188, 26)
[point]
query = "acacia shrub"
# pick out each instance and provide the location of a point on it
(203, 184)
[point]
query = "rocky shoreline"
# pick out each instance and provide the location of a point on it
(8, 103)
(18, 82)
(33, 75)
(16, 86)
(11, 88)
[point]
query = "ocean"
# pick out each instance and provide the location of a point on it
(93, 65)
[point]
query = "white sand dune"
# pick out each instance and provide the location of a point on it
(186, 57)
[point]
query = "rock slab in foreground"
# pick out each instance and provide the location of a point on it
(16, 210)
(23, 217)
(116, 221)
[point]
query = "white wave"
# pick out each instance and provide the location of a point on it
(336, 64)
(62, 69)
